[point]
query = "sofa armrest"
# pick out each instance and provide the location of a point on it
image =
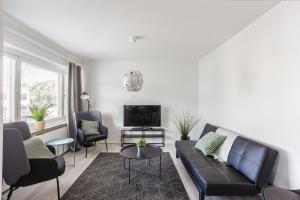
(276, 193)
(297, 192)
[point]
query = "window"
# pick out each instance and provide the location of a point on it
(9, 65)
(26, 83)
(41, 89)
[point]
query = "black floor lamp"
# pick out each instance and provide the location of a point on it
(85, 96)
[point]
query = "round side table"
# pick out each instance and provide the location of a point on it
(62, 142)
(131, 152)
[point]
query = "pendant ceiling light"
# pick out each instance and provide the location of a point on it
(133, 81)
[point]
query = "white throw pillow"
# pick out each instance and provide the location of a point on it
(222, 152)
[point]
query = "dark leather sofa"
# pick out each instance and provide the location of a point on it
(246, 171)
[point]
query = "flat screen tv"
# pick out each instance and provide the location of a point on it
(142, 115)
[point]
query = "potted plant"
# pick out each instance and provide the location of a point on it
(184, 124)
(140, 144)
(38, 113)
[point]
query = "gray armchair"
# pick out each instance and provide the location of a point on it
(276, 193)
(18, 169)
(88, 140)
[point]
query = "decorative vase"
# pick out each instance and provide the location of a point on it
(40, 125)
(138, 151)
(185, 137)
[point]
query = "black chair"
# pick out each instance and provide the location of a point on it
(88, 140)
(276, 193)
(21, 171)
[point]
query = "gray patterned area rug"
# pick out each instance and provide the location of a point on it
(106, 179)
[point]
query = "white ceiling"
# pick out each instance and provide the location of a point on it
(172, 29)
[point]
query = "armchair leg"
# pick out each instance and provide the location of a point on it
(11, 190)
(106, 145)
(85, 152)
(57, 185)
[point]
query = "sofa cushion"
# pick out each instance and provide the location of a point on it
(35, 148)
(90, 127)
(210, 143)
(223, 151)
(247, 157)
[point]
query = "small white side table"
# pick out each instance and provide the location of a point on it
(62, 142)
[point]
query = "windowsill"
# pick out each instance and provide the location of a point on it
(48, 128)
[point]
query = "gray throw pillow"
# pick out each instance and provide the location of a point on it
(90, 127)
(210, 142)
(35, 148)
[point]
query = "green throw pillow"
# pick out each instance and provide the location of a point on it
(90, 127)
(210, 142)
(35, 148)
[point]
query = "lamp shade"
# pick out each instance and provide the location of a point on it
(84, 96)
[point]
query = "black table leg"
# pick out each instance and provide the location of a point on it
(160, 166)
(124, 162)
(129, 170)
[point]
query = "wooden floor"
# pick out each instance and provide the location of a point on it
(47, 190)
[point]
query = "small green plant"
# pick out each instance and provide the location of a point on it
(141, 143)
(184, 124)
(39, 112)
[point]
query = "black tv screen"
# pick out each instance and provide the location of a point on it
(142, 115)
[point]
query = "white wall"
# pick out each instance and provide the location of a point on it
(174, 85)
(251, 84)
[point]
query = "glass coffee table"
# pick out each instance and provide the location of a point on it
(146, 153)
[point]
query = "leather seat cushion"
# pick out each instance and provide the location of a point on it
(94, 137)
(212, 176)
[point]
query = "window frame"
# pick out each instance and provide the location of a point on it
(15, 94)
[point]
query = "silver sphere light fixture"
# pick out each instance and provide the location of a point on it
(133, 81)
